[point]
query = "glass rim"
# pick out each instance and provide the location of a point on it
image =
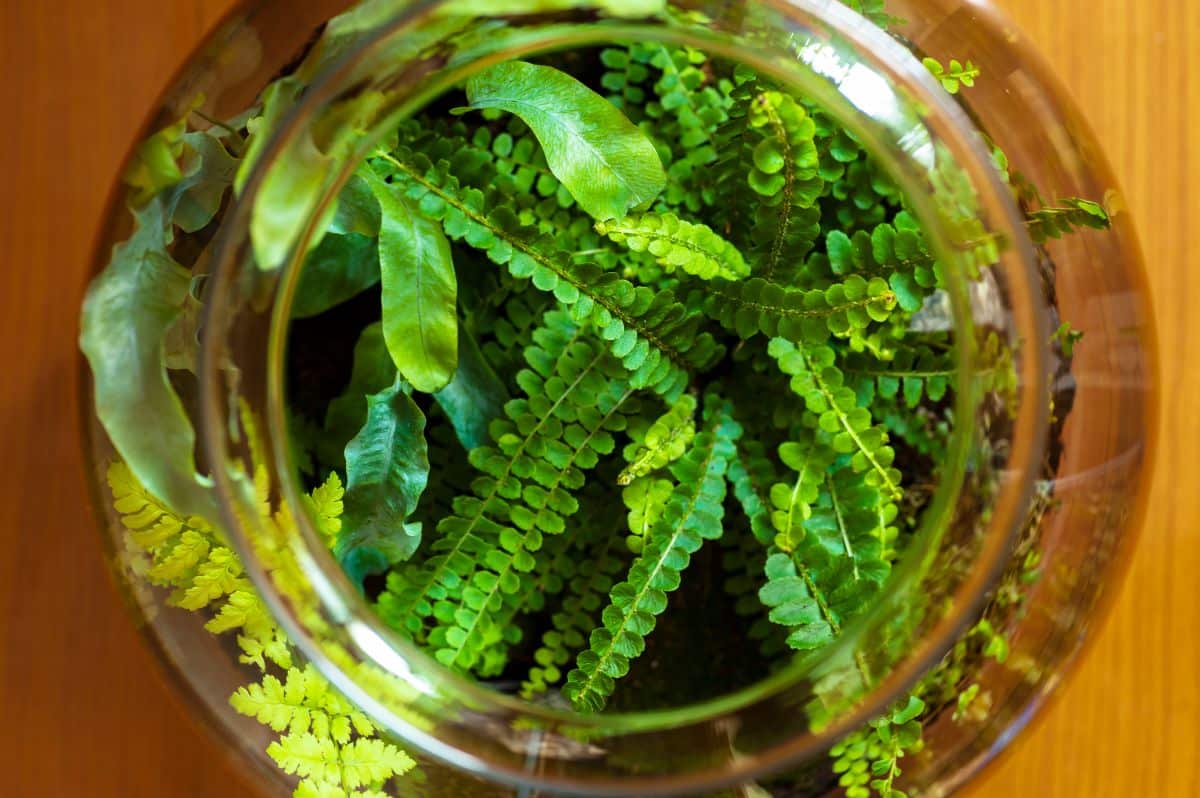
(900, 65)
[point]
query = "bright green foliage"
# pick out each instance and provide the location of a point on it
(836, 565)
(874, 11)
(325, 765)
(699, 232)
(839, 418)
(664, 442)
(1067, 338)
(420, 325)
(792, 501)
(652, 333)
(606, 163)
(325, 739)
(300, 703)
(646, 498)
(575, 400)
(915, 374)
(677, 100)
(846, 309)
(519, 157)
(769, 180)
(692, 515)
(676, 244)
(869, 759)
(1069, 215)
(185, 555)
(954, 76)
(587, 591)
(896, 252)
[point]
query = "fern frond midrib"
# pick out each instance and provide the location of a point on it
(818, 596)
(797, 313)
(789, 189)
(841, 523)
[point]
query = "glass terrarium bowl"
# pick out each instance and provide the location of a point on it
(1021, 533)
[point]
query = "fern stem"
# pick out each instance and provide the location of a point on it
(789, 185)
(819, 597)
(728, 290)
(841, 522)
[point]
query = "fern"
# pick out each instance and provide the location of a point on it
(569, 625)
(915, 374)
(653, 335)
(833, 571)
(838, 416)
(869, 759)
(575, 394)
(692, 516)
(1068, 216)
(645, 498)
(769, 169)
(326, 740)
(700, 233)
(687, 246)
(954, 75)
(663, 443)
(846, 310)
(896, 252)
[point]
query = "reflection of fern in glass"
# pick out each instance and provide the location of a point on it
(324, 740)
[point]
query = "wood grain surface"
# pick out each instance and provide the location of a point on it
(85, 712)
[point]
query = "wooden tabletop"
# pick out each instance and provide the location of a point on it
(84, 711)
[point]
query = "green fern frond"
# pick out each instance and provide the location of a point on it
(837, 565)
(688, 246)
(692, 516)
(792, 502)
(366, 762)
(845, 310)
(769, 180)
(575, 399)
(914, 374)
(896, 252)
(304, 701)
(954, 75)
(751, 475)
(259, 637)
(835, 409)
(869, 759)
(1068, 216)
(557, 562)
(625, 77)
(663, 443)
(569, 625)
